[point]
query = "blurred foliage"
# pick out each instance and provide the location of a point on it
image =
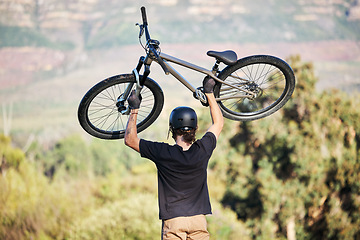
(13, 36)
(292, 175)
(129, 218)
(300, 165)
(9, 157)
(112, 35)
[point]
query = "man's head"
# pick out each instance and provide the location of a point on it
(183, 122)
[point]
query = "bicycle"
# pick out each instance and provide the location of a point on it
(246, 89)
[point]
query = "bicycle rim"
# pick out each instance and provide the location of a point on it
(264, 84)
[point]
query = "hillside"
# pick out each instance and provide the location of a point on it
(94, 23)
(52, 52)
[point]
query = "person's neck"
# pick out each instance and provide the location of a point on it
(185, 145)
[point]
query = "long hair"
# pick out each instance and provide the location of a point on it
(189, 136)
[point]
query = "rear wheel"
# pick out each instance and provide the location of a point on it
(100, 112)
(263, 84)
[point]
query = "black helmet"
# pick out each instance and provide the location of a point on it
(183, 118)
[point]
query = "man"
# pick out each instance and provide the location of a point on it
(182, 168)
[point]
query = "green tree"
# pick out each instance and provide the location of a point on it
(296, 174)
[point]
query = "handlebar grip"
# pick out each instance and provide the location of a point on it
(143, 13)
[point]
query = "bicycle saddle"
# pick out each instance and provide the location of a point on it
(228, 57)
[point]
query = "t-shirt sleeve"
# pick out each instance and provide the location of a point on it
(149, 150)
(209, 142)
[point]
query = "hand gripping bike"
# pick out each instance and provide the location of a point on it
(246, 89)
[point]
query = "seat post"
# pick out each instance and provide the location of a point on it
(215, 68)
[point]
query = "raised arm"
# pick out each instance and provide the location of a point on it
(131, 138)
(216, 115)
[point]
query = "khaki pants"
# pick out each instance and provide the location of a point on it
(185, 228)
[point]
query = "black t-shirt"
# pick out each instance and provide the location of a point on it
(182, 176)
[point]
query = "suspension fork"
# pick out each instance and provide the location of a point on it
(139, 84)
(140, 81)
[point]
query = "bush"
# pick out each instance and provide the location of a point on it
(134, 217)
(9, 157)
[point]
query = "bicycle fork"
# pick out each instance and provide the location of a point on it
(139, 85)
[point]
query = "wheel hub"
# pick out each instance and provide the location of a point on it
(120, 104)
(255, 89)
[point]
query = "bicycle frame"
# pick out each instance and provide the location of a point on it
(186, 64)
(167, 58)
(196, 92)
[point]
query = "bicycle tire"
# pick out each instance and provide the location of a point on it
(99, 116)
(270, 79)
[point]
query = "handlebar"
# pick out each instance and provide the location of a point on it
(145, 23)
(143, 13)
(148, 39)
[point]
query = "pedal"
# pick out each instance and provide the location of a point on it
(200, 95)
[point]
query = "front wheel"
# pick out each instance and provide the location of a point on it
(256, 87)
(101, 114)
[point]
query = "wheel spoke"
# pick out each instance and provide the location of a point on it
(103, 116)
(265, 81)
